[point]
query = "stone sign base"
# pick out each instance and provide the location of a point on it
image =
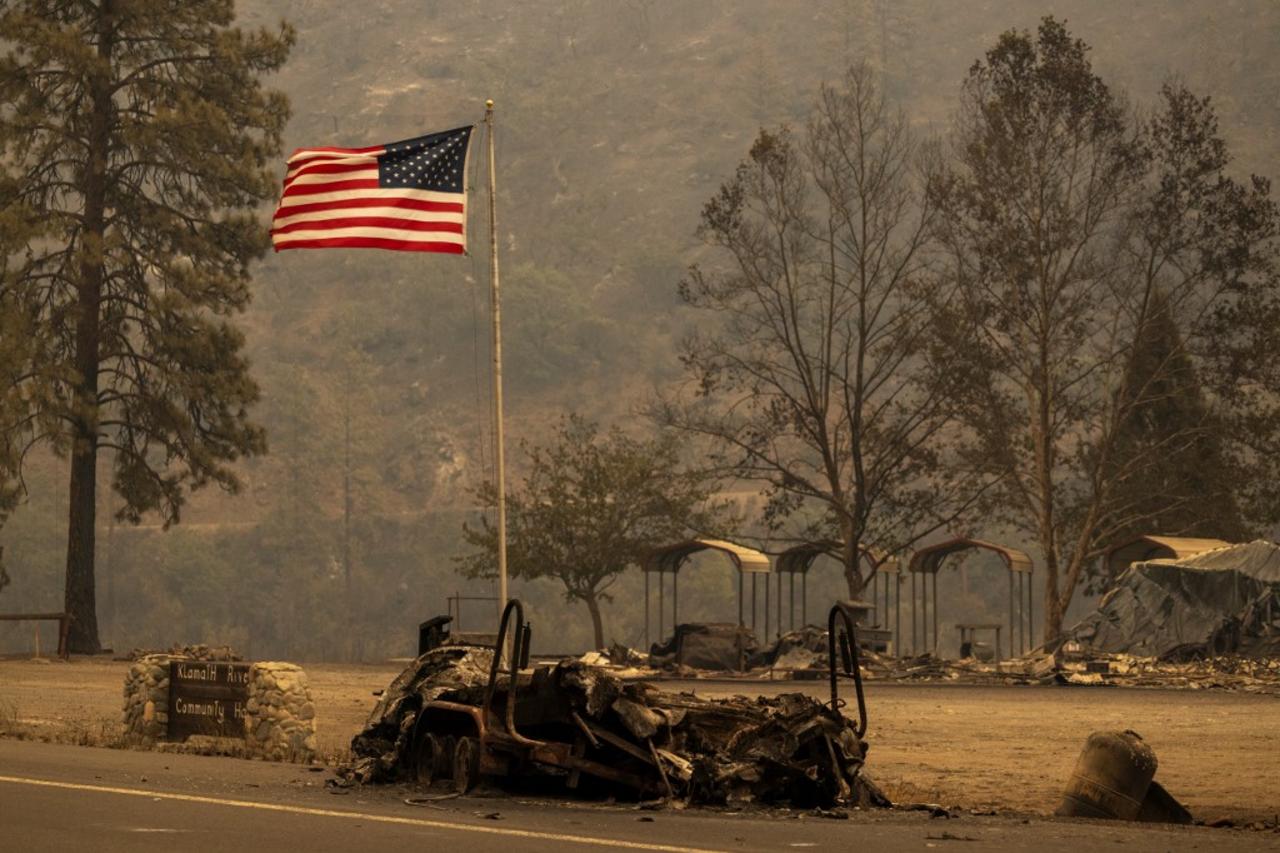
(279, 718)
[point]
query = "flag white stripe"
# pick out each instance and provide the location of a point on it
(384, 233)
(329, 177)
(341, 161)
(386, 212)
(316, 155)
(381, 192)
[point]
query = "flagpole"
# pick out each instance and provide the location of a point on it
(499, 450)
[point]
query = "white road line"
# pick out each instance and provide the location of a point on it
(407, 821)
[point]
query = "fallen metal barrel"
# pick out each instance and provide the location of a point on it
(1111, 777)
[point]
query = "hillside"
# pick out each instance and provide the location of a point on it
(616, 121)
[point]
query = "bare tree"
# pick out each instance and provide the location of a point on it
(1075, 233)
(803, 371)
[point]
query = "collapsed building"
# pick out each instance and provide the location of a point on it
(1225, 600)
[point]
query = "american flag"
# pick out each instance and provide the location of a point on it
(406, 196)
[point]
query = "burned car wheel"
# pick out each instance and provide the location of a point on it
(426, 760)
(466, 764)
(444, 757)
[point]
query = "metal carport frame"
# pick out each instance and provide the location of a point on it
(928, 561)
(669, 559)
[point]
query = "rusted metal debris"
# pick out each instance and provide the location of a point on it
(452, 716)
(1113, 779)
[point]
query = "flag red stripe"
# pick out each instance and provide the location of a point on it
(332, 186)
(329, 169)
(374, 243)
(353, 203)
(370, 222)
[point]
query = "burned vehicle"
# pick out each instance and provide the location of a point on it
(458, 715)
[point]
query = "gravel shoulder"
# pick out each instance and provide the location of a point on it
(1002, 748)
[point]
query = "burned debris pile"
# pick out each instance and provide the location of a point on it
(1179, 612)
(799, 656)
(1075, 665)
(443, 718)
(695, 648)
(720, 646)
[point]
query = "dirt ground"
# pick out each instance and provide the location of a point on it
(978, 747)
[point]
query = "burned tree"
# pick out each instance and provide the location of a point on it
(139, 134)
(1077, 236)
(803, 369)
(589, 508)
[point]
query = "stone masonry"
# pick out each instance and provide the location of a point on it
(280, 716)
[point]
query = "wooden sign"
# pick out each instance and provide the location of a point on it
(207, 698)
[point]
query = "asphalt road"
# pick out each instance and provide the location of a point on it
(55, 797)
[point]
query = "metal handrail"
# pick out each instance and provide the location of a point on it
(519, 653)
(849, 658)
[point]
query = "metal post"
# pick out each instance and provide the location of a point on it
(646, 612)
(804, 599)
(779, 605)
(791, 612)
(1022, 618)
(766, 608)
(662, 604)
(924, 613)
(499, 450)
(675, 599)
(935, 613)
(741, 623)
(884, 614)
(897, 617)
(753, 604)
(914, 649)
(1031, 607)
(1011, 651)
(1021, 621)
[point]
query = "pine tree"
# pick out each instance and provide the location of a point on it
(140, 134)
(1183, 484)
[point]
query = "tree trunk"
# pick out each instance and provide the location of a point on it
(1053, 606)
(79, 596)
(851, 557)
(597, 621)
(109, 570)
